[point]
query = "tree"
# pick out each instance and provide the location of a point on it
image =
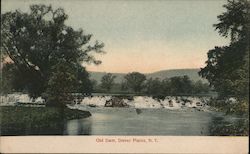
(107, 81)
(7, 78)
(153, 86)
(223, 69)
(200, 87)
(227, 67)
(187, 87)
(135, 81)
(61, 84)
(84, 84)
(38, 41)
(180, 85)
(166, 87)
(234, 23)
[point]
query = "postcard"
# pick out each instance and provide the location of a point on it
(123, 76)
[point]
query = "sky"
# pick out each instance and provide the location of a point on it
(142, 35)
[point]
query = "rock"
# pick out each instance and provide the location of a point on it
(198, 104)
(171, 104)
(116, 102)
(92, 105)
(138, 111)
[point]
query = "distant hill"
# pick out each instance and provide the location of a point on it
(192, 73)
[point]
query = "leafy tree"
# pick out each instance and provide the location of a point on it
(200, 87)
(38, 41)
(84, 84)
(187, 85)
(135, 81)
(223, 69)
(234, 23)
(227, 67)
(61, 84)
(107, 81)
(124, 86)
(153, 86)
(7, 78)
(166, 86)
(180, 85)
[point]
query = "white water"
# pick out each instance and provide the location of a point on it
(13, 99)
(170, 102)
(147, 102)
(169, 116)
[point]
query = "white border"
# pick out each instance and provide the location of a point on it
(91, 144)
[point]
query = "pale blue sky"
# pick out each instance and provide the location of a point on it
(143, 35)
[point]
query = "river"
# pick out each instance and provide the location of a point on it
(126, 121)
(143, 115)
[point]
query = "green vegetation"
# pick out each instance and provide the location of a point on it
(227, 67)
(18, 120)
(220, 127)
(60, 85)
(134, 81)
(107, 81)
(135, 84)
(191, 73)
(153, 86)
(36, 43)
(179, 85)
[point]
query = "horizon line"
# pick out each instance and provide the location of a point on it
(142, 72)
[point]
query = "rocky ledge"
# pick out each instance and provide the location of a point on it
(116, 102)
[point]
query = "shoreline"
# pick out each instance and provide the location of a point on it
(36, 120)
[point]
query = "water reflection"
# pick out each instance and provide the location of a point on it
(153, 122)
(80, 126)
(126, 121)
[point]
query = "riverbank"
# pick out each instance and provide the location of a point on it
(36, 120)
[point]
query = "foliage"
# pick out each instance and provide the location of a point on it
(84, 84)
(16, 120)
(135, 81)
(182, 85)
(227, 67)
(38, 41)
(61, 83)
(153, 86)
(199, 87)
(178, 85)
(46, 55)
(221, 127)
(225, 72)
(235, 21)
(8, 78)
(107, 81)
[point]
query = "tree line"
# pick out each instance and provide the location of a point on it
(43, 56)
(227, 67)
(137, 83)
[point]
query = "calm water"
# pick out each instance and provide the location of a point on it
(125, 121)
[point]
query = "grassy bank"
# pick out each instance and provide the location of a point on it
(240, 109)
(36, 120)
